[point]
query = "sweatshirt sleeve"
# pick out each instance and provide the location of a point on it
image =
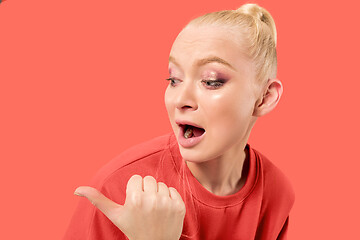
(89, 223)
(283, 232)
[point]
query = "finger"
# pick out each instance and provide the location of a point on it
(104, 204)
(150, 185)
(174, 194)
(135, 184)
(179, 203)
(163, 189)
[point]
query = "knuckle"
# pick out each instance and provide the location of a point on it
(163, 202)
(150, 198)
(129, 190)
(135, 200)
(97, 193)
(149, 202)
(179, 207)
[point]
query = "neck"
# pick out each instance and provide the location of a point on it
(224, 175)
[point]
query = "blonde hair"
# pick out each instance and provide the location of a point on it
(259, 31)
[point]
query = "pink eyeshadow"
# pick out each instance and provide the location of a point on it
(215, 75)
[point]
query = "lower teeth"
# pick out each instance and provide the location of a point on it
(188, 133)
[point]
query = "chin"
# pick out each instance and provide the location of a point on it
(198, 153)
(193, 155)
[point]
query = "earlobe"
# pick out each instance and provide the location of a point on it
(269, 99)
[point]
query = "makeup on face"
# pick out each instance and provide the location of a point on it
(214, 75)
(208, 74)
(210, 97)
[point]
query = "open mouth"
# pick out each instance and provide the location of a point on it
(190, 131)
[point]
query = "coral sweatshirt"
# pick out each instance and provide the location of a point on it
(259, 210)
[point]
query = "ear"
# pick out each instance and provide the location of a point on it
(269, 99)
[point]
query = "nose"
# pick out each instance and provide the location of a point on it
(186, 97)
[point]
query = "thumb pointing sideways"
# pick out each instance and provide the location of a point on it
(151, 210)
(105, 205)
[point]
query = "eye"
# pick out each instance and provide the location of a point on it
(213, 83)
(173, 81)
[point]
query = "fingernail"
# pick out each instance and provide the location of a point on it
(77, 194)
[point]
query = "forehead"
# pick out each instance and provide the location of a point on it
(199, 42)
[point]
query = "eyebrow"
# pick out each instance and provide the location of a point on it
(206, 60)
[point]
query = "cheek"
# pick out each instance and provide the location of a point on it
(167, 100)
(228, 113)
(170, 107)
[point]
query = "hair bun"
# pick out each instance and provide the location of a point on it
(260, 14)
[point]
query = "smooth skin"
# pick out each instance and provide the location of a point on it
(226, 109)
(153, 211)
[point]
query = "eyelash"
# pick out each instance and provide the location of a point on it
(171, 81)
(214, 84)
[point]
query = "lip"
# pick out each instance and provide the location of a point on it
(188, 142)
(185, 122)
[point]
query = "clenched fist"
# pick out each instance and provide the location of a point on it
(152, 211)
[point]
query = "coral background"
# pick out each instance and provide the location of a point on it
(81, 81)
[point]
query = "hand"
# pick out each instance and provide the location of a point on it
(152, 211)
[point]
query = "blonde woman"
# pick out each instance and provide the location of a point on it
(203, 180)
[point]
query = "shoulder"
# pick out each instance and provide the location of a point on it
(138, 159)
(278, 189)
(88, 222)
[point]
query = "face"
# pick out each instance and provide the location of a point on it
(211, 86)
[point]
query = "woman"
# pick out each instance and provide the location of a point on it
(203, 181)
